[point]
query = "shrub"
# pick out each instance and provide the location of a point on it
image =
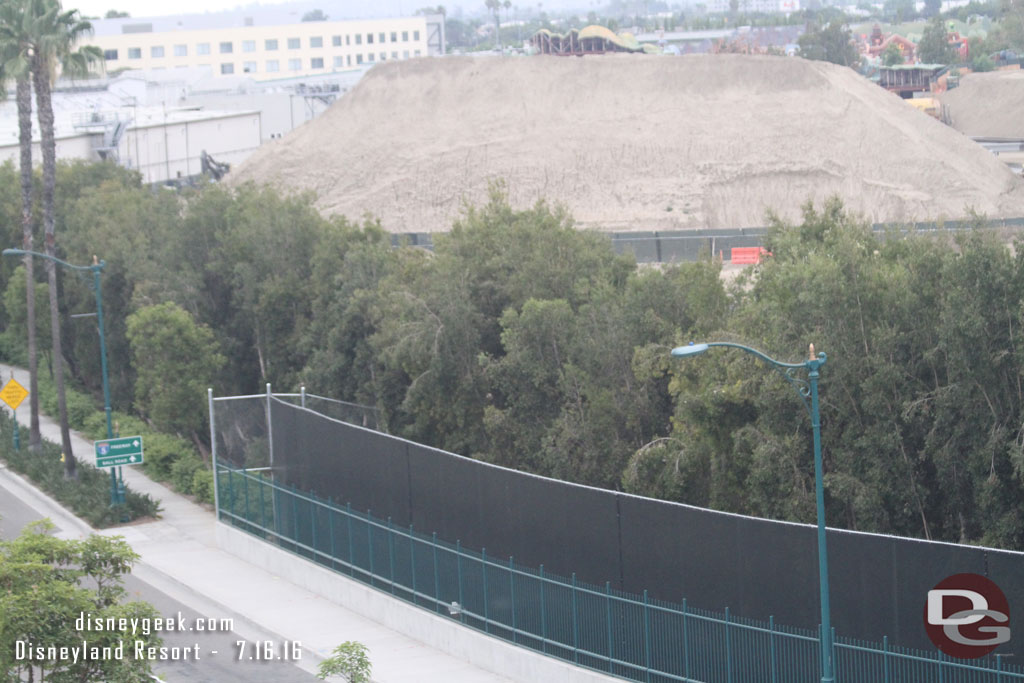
(182, 473)
(202, 485)
(162, 452)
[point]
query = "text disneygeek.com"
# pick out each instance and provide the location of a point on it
(124, 645)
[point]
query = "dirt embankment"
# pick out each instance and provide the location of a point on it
(631, 142)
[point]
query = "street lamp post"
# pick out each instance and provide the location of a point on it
(809, 394)
(96, 268)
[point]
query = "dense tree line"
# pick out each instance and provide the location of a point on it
(524, 341)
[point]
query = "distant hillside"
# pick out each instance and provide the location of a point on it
(631, 142)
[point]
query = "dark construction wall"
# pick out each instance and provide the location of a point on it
(758, 568)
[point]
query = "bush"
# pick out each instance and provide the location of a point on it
(182, 473)
(162, 453)
(88, 496)
(202, 485)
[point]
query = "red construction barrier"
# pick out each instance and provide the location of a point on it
(745, 255)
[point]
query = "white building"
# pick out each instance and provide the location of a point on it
(231, 44)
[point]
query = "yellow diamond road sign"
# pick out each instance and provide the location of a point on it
(13, 394)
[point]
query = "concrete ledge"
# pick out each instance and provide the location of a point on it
(445, 635)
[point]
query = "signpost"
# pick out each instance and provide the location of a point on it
(13, 394)
(124, 451)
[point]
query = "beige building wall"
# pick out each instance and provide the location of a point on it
(268, 52)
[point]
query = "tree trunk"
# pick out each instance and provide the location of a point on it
(44, 111)
(24, 100)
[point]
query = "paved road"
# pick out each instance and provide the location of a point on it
(211, 668)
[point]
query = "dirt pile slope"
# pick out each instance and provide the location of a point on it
(630, 142)
(988, 104)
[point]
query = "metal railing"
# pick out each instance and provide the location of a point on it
(631, 636)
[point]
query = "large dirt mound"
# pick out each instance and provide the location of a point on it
(631, 142)
(988, 105)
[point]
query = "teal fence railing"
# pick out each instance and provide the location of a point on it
(630, 636)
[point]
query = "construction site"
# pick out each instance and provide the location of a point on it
(636, 142)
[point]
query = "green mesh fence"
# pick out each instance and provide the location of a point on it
(626, 635)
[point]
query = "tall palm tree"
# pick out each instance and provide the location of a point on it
(14, 50)
(55, 35)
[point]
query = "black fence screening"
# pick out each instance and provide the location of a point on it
(759, 569)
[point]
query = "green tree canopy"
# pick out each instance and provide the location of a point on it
(934, 47)
(46, 584)
(829, 43)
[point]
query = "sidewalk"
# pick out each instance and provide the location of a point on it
(180, 557)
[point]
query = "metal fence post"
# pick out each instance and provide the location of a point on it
(295, 517)
(483, 573)
(412, 564)
(302, 396)
(458, 573)
(270, 430)
(437, 577)
(330, 529)
(575, 625)
(686, 645)
(647, 639)
(213, 455)
(771, 645)
(543, 616)
(512, 597)
(245, 492)
(369, 541)
(885, 658)
(728, 649)
(608, 619)
(391, 555)
(314, 513)
(351, 542)
(231, 497)
(263, 508)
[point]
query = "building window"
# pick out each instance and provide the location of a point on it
(348, 40)
(405, 54)
(394, 36)
(359, 59)
(348, 60)
(156, 51)
(273, 66)
(226, 48)
(359, 39)
(316, 63)
(316, 41)
(369, 57)
(416, 54)
(270, 44)
(110, 55)
(394, 55)
(248, 46)
(383, 56)
(339, 61)
(380, 37)
(336, 41)
(415, 35)
(369, 38)
(293, 43)
(181, 50)
(249, 67)
(202, 48)
(135, 53)
(405, 36)
(227, 68)
(295, 65)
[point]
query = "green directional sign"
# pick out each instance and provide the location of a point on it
(124, 451)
